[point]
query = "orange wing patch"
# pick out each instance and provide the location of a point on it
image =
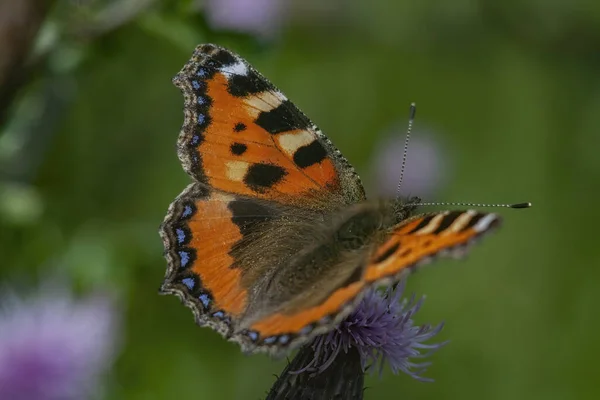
(198, 233)
(280, 324)
(241, 135)
(212, 219)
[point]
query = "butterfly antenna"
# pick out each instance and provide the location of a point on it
(515, 205)
(411, 119)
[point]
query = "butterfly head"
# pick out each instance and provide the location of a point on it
(404, 207)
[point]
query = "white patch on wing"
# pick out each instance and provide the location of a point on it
(263, 102)
(484, 223)
(459, 223)
(290, 142)
(222, 197)
(432, 225)
(236, 170)
(239, 68)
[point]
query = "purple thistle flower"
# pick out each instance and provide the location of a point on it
(53, 347)
(382, 330)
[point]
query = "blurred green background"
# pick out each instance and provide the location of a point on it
(88, 163)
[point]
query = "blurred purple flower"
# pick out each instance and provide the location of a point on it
(425, 166)
(260, 17)
(382, 330)
(53, 347)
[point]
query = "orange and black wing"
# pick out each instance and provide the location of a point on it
(411, 243)
(418, 240)
(243, 136)
(200, 232)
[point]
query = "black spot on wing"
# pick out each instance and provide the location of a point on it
(260, 177)
(310, 154)
(240, 126)
(224, 58)
(245, 85)
(238, 149)
(283, 118)
(248, 214)
(388, 253)
(423, 223)
(447, 221)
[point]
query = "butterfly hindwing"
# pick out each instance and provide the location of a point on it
(221, 249)
(200, 233)
(243, 136)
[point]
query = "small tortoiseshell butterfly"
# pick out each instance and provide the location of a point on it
(275, 242)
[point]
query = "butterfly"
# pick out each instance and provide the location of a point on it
(274, 241)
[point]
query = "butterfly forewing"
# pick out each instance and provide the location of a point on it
(242, 135)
